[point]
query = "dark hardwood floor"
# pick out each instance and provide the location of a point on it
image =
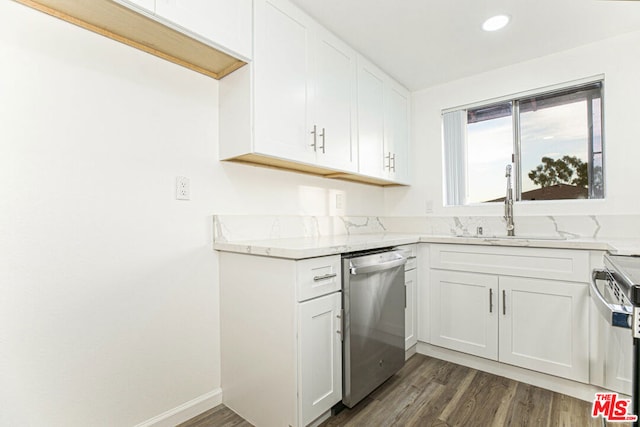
(432, 392)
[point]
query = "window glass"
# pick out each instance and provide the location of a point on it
(554, 152)
(489, 148)
(556, 147)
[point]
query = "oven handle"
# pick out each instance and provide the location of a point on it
(616, 314)
(378, 267)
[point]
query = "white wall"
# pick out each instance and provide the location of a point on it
(109, 300)
(617, 58)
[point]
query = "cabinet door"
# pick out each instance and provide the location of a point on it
(225, 22)
(544, 326)
(464, 312)
(410, 311)
(397, 132)
(281, 61)
(371, 120)
(334, 102)
(320, 356)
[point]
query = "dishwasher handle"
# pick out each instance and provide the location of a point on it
(616, 314)
(373, 268)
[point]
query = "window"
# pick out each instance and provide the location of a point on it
(553, 140)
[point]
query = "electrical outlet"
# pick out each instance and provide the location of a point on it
(183, 190)
(429, 206)
(339, 201)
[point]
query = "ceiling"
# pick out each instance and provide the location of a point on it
(422, 43)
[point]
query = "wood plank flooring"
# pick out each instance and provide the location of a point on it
(432, 392)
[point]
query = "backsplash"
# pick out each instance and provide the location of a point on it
(230, 228)
(567, 226)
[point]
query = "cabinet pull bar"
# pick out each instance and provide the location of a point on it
(322, 136)
(387, 165)
(341, 330)
(324, 277)
(490, 300)
(314, 132)
(405, 296)
(504, 302)
(394, 162)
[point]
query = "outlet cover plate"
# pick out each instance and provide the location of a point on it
(183, 189)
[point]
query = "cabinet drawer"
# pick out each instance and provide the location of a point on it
(557, 264)
(318, 276)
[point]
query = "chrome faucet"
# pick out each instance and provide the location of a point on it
(508, 205)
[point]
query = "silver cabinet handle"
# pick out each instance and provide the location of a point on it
(394, 162)
(504, 302)
(490, 300)
(387, 158)
(314, 132)
(620, 315)
(322, 136)
(341, 330)
(324, 277)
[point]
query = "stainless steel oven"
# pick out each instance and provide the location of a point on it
(374, 301)
(615, 290)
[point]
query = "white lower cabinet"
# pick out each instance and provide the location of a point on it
(463, 316)
(411, 295)
(320, 355)
(280, 333)
(530, 322)
(410, 311)
(544, 326)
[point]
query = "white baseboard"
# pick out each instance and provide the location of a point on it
(322, 418)
(560, 385)
(410, 352)
(186, 411)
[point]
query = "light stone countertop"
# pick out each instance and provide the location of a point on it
(310, 247)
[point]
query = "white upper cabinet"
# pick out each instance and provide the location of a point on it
(333, 106)
(282, 75)
(383, 124)
(305, 101)
(227, 23)
(370, 119)
(300, 95)
(397, 132)
(304, 89)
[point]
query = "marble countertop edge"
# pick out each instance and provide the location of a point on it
(311, 247)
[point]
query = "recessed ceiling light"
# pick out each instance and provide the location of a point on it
(495, 22)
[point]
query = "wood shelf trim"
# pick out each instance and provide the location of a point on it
(255, 159)
(117, 22)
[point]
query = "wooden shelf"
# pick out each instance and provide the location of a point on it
(125, 25)
(281, 164)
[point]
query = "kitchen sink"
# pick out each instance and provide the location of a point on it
(520, 237)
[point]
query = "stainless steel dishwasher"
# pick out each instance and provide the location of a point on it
(374, 302)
